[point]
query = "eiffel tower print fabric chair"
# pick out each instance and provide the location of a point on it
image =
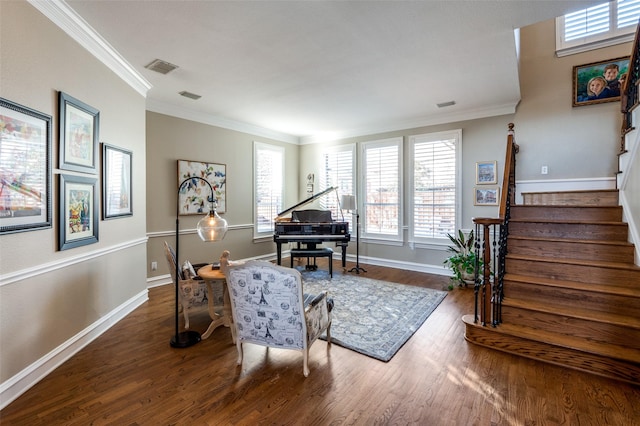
(270, 309)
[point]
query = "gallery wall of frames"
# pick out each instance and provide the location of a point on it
(91, 174)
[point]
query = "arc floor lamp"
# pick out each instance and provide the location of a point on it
(348, 202)
(210, 228)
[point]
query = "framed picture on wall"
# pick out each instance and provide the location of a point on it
(486, 196)
(486, 172)
(599, 82)
(78, 211)
(25, 168)
(116, 182)
(194, 196)
(78, 134)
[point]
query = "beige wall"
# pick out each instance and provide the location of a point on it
(574, 142)
(170, 139)
(48, 296)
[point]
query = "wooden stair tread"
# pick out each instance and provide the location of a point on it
(572, 285)
(568, 221)
(562, 340)
(575, 312)
(578, 191)
(580, 262)
(571, 240)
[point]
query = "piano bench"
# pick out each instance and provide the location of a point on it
(317, 252)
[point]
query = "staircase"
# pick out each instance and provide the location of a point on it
(571, 289)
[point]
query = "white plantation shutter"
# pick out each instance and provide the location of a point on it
(268, 186)
(586, 22)
(434, 185)
(382, 198)
(338, 172)
(628, 13)
(598, 26)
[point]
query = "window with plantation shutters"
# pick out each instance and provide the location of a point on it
(268, 186)
(381, 215)
(434, 185)
(338, 172)
(598, 26)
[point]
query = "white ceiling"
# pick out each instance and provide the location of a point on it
(317, 70)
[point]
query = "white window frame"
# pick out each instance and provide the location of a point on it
(456, 135)
(392, 239)
(607, 38)
(344, 188)
(277, 185)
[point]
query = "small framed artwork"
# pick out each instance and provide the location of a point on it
(486, 196)
(78, 211)
(25, 168)
(599, 82)
(486, 172)
(195, 196)
(79, 126)
(116, 182)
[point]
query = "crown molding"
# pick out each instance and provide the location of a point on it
(473, 114)
(78, 29)
(201, 117)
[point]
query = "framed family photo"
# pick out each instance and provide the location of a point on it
(486, 196)
(486, 172)
(78, 133)
(25, 168)
(116, 182)
(194, 196)
(599, 82)
(78, 211)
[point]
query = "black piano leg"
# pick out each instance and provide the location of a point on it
(279, 250)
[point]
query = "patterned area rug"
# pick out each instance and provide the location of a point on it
(373, 317)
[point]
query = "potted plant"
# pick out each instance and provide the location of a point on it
(463, 260)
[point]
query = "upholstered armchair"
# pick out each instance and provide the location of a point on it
(270, 309)
(192, 292)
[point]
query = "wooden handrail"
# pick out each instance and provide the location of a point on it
(488, 285)
(509, 178)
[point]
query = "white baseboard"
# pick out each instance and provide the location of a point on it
(24, 380)
(551, 185)
(399, 264)
(634, 231)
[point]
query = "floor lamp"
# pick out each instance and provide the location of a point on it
(348, 202)
(210, 228)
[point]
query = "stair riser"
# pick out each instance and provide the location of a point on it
(576, 273)
(606, 333)
(569, 358)
(583, 198)
(602, 302)
(572, 250)
(578, 231)
(607, 214)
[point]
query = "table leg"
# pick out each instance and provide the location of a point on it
(216, 320)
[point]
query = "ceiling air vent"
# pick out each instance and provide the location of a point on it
(161, 66)
(190, 95)
(446, 104)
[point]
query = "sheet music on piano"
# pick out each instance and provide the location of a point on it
(310, 227)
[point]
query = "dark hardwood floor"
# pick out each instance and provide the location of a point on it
(131, 376)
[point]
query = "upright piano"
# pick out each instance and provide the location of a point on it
(310, 228)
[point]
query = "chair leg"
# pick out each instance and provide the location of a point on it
(330, 266)
(239, 346)
(185, 311)
(305, 365)
(329, 334)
